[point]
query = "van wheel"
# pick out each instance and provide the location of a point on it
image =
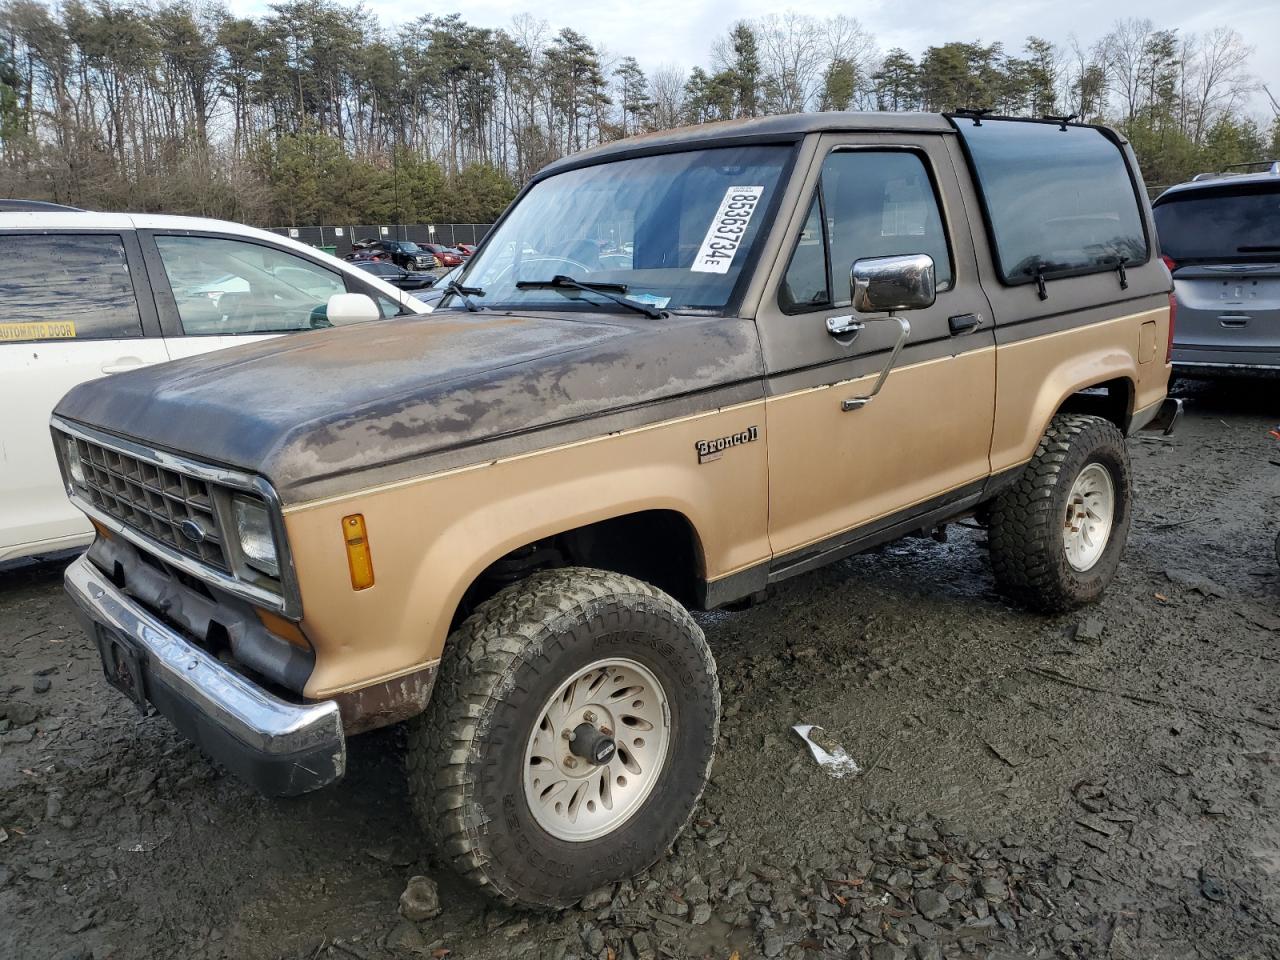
(569, 737)
(1057, 535)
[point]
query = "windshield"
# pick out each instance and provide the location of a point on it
(408, 246)
(1231, 224)
(675, 229)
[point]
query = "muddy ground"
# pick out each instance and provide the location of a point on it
(1105, 784)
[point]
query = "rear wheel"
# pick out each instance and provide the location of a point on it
(1057, 535)
(569, 738)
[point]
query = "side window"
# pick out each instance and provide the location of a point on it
(232, 286)
(69, 287)
(386, 306)
(1058, 200)
(805, 284)
(877, 204)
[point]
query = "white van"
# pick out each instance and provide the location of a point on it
(86, 294)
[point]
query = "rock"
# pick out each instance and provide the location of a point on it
(928, 951)
(595, 900)
(1210, 888)
(701, 913)
(406, 937)
(885, 951)
(641, 946)
(674, 908)
(772, 944)
(594, 940)
(1063, 876)
(1195, 581)
(19, 713)
(931, 904)
(420, 900)
(1089, 630)
(993, 889)
(40, 685)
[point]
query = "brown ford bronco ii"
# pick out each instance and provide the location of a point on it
(681, 368)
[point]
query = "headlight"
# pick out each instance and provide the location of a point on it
(253, 527)
(75, 469)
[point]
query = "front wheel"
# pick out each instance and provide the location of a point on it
(569, 737)
(1058, 533)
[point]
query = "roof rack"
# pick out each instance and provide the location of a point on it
(16, 205)
(1273, 168)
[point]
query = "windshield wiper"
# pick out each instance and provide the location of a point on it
(464, 294)
(610, 291)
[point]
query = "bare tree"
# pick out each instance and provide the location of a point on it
(1219, 79)
(666, 91)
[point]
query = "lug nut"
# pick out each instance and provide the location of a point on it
(589, 717)
(606, 731)
(567, 735)
(570, 762)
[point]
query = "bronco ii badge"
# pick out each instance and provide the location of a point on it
(709, 450)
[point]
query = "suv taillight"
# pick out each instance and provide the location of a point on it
(1173, 317)
(1170, 262)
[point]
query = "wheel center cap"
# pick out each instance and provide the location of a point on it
(592, 745)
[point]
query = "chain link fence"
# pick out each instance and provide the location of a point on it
(338, 240)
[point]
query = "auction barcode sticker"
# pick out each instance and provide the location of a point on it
(725, 234)
(38, 330)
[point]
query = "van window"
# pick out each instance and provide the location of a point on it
(1226, 224)
(878, 203)
(1058, 202)
(66, 287)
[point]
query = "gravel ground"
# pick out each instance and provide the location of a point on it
(1105, 784)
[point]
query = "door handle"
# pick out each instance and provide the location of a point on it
(1234, 320)
(122, 364)
(964, 323)
(844, 326)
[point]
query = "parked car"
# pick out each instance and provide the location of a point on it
(87, 294)
(403, 253)
(466, 249)
(445, 256)
(1220, 234)
(495, 524)
(436, 292)
(397, 276)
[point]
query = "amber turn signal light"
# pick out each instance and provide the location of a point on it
(359, 559)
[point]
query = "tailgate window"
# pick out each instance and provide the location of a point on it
(1225, 224)
(1059, 199)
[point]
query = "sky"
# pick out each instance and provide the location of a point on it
(657, 32)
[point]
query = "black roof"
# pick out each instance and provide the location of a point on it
(787, 128)
(16, 206)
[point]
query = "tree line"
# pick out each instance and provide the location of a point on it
(318, 113)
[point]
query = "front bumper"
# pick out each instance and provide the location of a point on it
(279, 747)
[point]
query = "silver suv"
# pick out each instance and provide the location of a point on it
(1220, 235)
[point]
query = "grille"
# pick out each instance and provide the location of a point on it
(152, 500)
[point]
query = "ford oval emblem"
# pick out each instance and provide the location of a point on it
(192, 530)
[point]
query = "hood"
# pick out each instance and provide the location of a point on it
(305, 408)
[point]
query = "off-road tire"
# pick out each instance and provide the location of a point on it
(1028, 553)
(466, 754)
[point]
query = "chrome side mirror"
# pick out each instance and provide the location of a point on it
(886, 284)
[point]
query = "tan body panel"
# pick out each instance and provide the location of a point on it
(842, 469)
(431, 538)
(1035, 376)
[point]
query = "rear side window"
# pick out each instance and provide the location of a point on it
(1058, 201)
(1236, 223)
(66, 287)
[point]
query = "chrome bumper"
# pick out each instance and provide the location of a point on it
(281, 748)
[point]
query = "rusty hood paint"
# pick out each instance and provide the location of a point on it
(338, 402)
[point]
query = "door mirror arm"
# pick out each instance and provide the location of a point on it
(885, 284)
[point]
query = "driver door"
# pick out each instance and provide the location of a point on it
(840, 471)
